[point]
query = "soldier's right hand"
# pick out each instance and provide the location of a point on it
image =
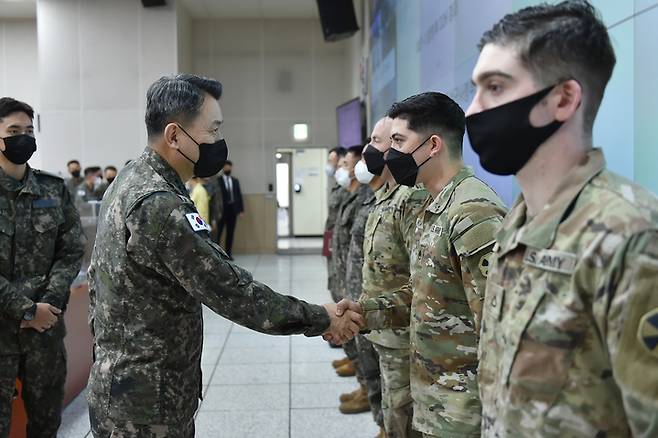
(44, 318)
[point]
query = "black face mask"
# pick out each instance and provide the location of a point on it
(212, 157)
(109, 180)
(403, 167)
(503, 137)
(19, 148)
(75, 174)
(374, 159)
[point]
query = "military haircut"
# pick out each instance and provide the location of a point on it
(355, 150)
(72, 162)
(177, 99)
(111, 168)
(433, 113)
(560, 42)
(339, 150)
(10, 105)
(91, 170)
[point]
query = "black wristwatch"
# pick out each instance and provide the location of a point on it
(30, 313)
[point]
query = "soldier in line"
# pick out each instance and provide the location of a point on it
(449, 264)
(41, 249)
(153, 266)
(340, 243)
(568, 344)
(336, 197)
(388, 241)
(369, 392)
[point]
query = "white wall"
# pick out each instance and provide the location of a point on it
(96, 61)
(184, 35)
(275, 73)
(19, 70)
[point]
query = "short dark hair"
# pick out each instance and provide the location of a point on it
(177, 99)
(560, 42)
(229, 162)
(72, 162)
(10, 105)
(340, 151)
(111, 168)
(355, 150)
(91, 169)
(433, 113)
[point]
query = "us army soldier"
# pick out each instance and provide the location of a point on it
(455, 238)
(336, 197)
(389, 237)
(568, 343)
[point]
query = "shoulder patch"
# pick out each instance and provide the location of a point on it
(196, 222)
(647, 332)
(44, 173)
(485, 262)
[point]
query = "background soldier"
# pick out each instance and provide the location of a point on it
(336, 197)
(340, 244)
(41, 249)
(571, 315)
(154, 264)
(370, 393)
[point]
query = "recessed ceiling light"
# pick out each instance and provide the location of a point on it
(300, 131)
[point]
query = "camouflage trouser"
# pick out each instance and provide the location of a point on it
(331, 281)
(41, 367)
(368, 367)
(105, 427)
(397, 404)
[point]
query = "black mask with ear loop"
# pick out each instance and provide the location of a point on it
(212, 157)
(403, 167)
(19, 148)
(504, 138)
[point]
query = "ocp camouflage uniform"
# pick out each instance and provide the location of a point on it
(340, 245)
(41, 249)
(368, 361)
(570, 323)
(449, 265)
(336, 197)
(153, 266)
(389, 237)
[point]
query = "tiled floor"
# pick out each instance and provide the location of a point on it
(265, 386)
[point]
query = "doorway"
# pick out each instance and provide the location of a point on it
(301, 187)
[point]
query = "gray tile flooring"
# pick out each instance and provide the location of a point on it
(265, 386)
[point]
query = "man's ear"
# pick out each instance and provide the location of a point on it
(569, 99)
(171, 133)
(436, 145)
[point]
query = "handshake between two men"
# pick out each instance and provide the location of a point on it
(346, 321)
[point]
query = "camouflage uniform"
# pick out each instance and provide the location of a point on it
(41, 249)
(336, 198)
(153, 266)
(389, 236)
(72, 184)
(340, 245)
(455, 236)
(86, 194)
(368, 361)
(568, 342)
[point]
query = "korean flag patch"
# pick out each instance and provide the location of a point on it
(196, 222)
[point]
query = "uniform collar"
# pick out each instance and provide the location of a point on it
(386, 192)
(164, 169)
(541, 231)
(443, 198)
(29, 184)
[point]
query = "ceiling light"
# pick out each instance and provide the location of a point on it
(300, 131)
